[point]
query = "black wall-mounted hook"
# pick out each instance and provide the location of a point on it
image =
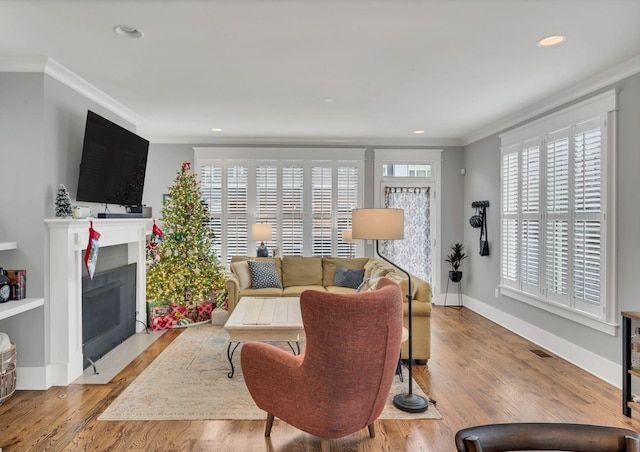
(476, 204)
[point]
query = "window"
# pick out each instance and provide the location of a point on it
(554, 211)
(406, 170)
(307, 202)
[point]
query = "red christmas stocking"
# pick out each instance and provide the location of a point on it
(91, 254)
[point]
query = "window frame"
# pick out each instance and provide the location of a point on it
(305, 158)
(602, 107)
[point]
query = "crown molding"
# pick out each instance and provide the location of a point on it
(310, 141)
(588, 86)
(55, 70)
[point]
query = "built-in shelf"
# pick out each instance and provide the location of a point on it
(14, 307)
(4, 246)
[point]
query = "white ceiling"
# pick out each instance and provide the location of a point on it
(260, 69)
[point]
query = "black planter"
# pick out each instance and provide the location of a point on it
(455, 276)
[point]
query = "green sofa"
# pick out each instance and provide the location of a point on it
(297, 274)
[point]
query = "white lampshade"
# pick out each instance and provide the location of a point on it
(346, 236)
(261, 232)
(377, 224)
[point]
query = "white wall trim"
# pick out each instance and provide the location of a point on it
(311, 141)
(604, 79)
(594, 364)
(204, 153)
(32, 378)
(57, 71)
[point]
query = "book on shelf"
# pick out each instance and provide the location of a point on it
(18, 283)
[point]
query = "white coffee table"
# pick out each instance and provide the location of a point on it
(264, 319)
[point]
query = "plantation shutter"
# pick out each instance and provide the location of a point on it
(530, 218)
(321, 210)
(237, 223)
(211, 190)
(557, 214)
(510, 216)
(292, 210)
(266, 199)
(346, 201)
(588, 193)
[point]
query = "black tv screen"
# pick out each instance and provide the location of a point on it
(114, 161)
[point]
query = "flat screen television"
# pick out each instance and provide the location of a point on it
(113, 165)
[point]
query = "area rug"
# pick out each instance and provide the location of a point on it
(188, 381)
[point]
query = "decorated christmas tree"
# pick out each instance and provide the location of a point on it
(182, 268)
(63, 202)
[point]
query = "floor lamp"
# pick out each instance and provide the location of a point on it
(388, 224)
(261, 232)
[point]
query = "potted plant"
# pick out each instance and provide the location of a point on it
(455, 259)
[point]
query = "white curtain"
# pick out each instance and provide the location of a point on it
(413, 254)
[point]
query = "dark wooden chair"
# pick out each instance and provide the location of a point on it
(547, 436)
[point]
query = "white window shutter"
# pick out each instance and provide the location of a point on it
(292, 210)
(321, 210)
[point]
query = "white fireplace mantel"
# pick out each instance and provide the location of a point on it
(67, 240)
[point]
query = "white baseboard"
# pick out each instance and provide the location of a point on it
(584, 359)
(31, 378)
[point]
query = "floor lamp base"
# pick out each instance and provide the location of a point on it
(410, 403)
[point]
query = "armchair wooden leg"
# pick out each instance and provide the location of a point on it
(324, 445)
(267, 428)
(372, 430)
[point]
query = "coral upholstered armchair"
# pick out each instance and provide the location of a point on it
(341, 383)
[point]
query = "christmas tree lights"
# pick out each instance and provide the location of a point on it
(183, 269)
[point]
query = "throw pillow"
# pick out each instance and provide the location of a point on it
(348, 278)
(241, 270)
(263, 274)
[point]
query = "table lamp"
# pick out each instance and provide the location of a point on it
(388, 224)
(259, 233)
(348, 238)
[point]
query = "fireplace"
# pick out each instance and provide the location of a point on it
(65, 243)
(108, 311)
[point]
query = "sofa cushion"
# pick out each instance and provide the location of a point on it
(263, 275)
(268, 292)
(348, 277)
(330, 264)
(295, 291)
(241, 270)
(301, 271)
(276, 260)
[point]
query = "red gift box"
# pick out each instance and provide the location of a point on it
(162, 322)
(205, 310)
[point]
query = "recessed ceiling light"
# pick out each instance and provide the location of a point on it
(418, 131)
(215, 129)
(550, 41)
(327, 99)
(128, 31)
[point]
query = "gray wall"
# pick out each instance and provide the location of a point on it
(482, 160)
(453, 213)
(163, 163)
(41, 132)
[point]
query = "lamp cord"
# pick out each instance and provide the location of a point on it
(409, 298)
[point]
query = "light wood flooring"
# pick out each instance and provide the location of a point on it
(479, 373)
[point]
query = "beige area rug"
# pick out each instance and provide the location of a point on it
(188, 381)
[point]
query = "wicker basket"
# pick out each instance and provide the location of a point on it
(7, 373)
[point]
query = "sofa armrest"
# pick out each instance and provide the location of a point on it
(423, 289)
(232, 285)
